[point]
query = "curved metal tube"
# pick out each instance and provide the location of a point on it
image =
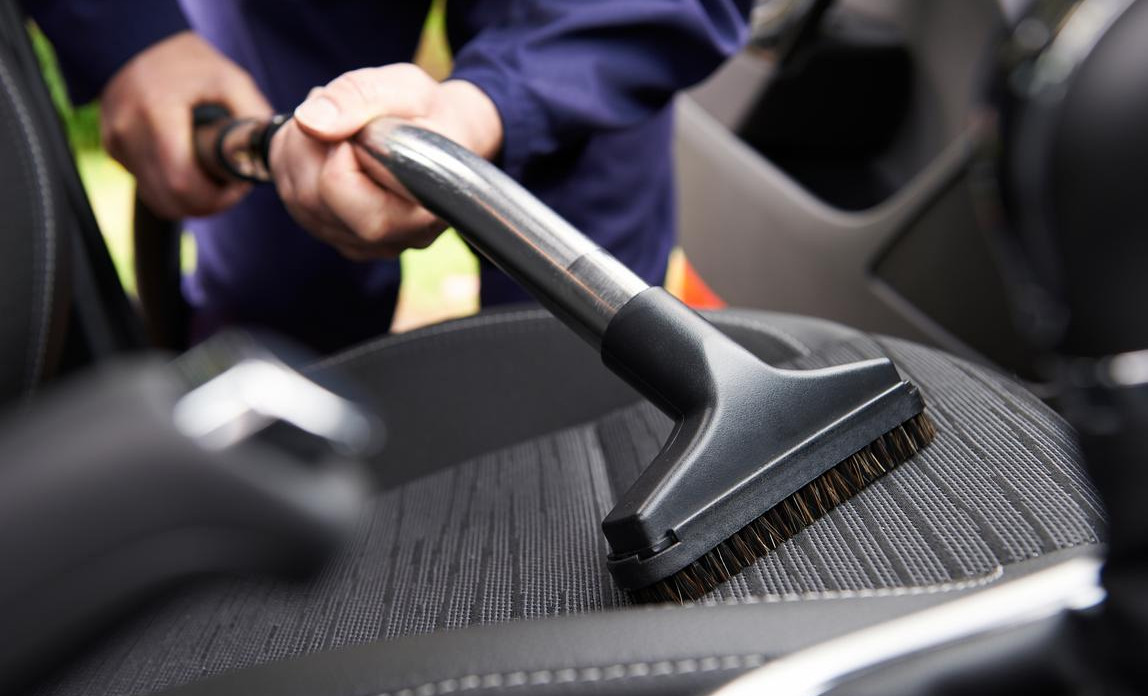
(572, 276)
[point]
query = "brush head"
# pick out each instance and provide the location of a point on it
(793, 514)
(748, 438)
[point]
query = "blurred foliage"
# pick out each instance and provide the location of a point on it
(434, 53)
(83, 122)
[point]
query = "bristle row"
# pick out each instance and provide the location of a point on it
(793, 514)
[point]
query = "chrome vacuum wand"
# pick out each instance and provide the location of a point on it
(572, 276)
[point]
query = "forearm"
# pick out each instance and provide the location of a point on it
(559, 70)
(95, 38)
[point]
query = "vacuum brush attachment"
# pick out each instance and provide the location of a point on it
(757, 454)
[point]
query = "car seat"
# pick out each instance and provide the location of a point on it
(479, 565)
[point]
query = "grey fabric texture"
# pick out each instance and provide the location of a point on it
(515, 535)
(28, 247)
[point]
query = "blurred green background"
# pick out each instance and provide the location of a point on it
(439, 282)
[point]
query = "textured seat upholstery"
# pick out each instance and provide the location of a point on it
(33, 248)
(480, 565)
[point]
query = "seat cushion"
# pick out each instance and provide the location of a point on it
(505, 527)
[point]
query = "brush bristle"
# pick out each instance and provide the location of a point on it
(795, 513)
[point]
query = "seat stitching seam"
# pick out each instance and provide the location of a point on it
(572, 675)
(997, 573)
(45, 244)
(872, 593)
(647, 669)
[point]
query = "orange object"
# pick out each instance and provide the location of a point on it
(687, 285)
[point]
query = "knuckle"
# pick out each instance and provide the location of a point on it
(414, 73)
(418, 80)
(114, 132)
(306, 198)
(360, 85)
(371, 229)
(181, 184)
(239, 80)
(328, 184)
(376, 231)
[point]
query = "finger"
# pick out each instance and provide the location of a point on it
(305, 217)
(282, 164)
(378, 173)
(373, 213)
(359, 254)
(178, 171)
(354, 98)
(302, 162)
(275, 152)
(168, 178)
(298, 162)
(137, 156)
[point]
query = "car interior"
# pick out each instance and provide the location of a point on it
(421, 514)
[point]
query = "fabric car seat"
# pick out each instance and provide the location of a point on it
(480, 564)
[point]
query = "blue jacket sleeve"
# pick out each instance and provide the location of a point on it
(560, 69)
(94, 38)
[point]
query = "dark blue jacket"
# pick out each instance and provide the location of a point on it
(583, 88)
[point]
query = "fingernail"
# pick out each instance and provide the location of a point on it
(318, 112)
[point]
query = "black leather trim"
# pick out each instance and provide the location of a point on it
(681, 650)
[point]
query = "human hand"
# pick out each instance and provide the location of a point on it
(146, 122)
(319, 176)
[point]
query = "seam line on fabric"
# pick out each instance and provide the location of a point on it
(939, 588)
(574, 675)
(44, 245)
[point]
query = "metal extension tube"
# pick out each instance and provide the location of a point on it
(578, 281)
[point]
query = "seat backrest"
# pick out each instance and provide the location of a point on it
(33, 246)
(61, 303)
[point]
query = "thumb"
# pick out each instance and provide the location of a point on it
(352, 100)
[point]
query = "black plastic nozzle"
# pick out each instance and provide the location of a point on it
(747, 435)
